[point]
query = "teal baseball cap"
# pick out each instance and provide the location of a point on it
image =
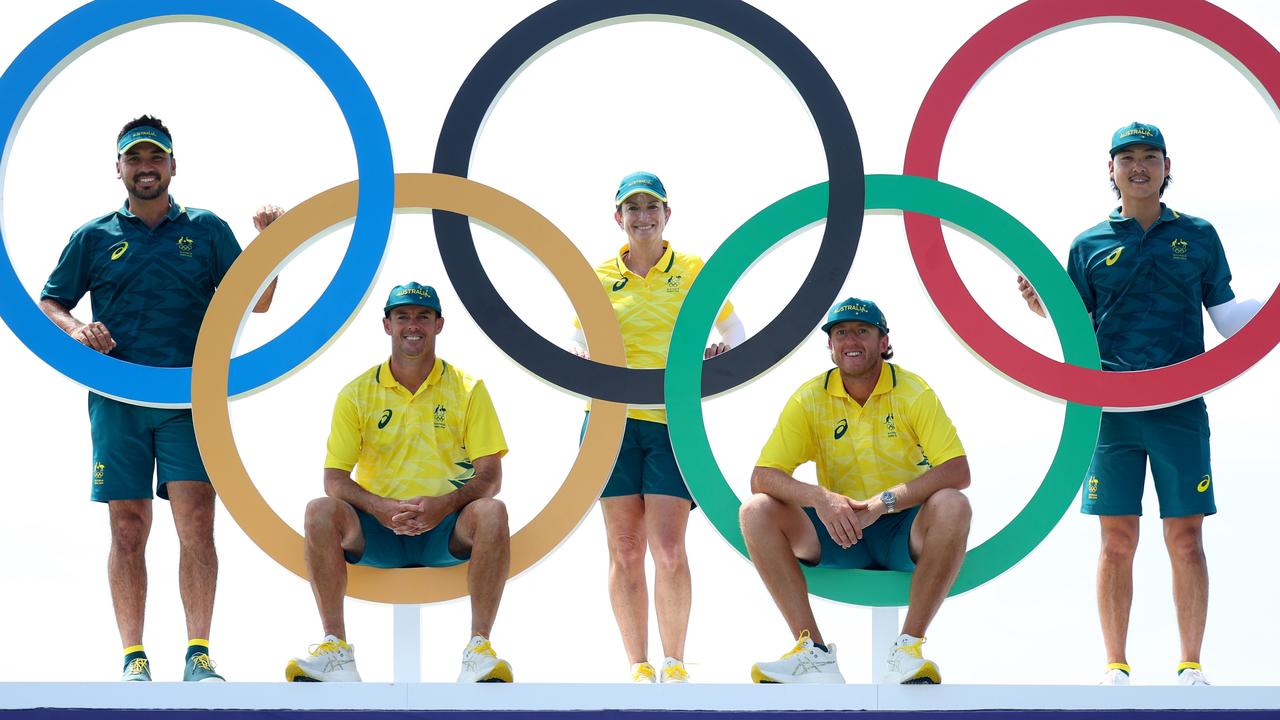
(413, 294)
(855, 309)
(141, 134)
(640, 182)
(1136, 133)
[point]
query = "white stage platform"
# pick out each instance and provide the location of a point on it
(578, 697)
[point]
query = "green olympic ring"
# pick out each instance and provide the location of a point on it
(971, 214)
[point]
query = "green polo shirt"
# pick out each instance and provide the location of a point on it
(149, 287)
(1145, 288)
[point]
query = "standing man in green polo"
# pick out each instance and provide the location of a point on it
(890, 471)
(150, 269)
(1144, 273)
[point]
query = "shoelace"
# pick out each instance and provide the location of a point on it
(675, 671)
(200, 660)
(800, 644)
(913, 649)
(328, 646)
(484, 648)
(644, 670)
(137, 666)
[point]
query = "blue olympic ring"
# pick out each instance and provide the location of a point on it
(171, 387)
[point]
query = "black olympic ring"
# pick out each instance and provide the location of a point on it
(759, 353)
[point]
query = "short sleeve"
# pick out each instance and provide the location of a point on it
(482, 434)
(1079, 275)
(938, 438)
(791, 443)
(225, 251)
(1216, 283)
(69, 280)
(343, 450)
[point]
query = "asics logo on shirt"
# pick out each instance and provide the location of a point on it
(1114, 256)
(841, 428)
(386, 418)
(118, 249)
(620, 284)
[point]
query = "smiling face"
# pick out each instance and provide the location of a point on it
(413, 330)
(1138, 172)
(146, 170)
(856, 348)
(642, 217)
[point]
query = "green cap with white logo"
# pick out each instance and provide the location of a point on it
(413, 294)
(855, 309)
(1136, 133)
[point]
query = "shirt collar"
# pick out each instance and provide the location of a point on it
(888, 378)
(173, 213)
(1167, 214)
(387, 380)
(664, 264)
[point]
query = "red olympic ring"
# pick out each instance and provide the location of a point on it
(1130, 390)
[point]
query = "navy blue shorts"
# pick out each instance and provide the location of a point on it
(1176, 442)
(886, 545)
(385, 549)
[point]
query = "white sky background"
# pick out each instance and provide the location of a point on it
(728, 136)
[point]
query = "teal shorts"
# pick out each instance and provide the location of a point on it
(1176, 442)
(646, 464)
(886, 545)
(385, 549)
(132, 444)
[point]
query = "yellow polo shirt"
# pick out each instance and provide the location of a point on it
(863, 450)
(404, 444)
(647, 307)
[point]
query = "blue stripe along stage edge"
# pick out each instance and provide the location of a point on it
(122, 714)
(797, 64)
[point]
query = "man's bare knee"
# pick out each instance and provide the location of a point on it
(760, 513)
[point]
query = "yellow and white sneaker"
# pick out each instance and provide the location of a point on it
(1117, 674)
(480, 664)
(907, 665)
(643, 673)
(1190, 673)
(805, 663)
(333, 660)
(673, 671)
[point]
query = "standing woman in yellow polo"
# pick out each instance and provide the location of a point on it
(646, 503)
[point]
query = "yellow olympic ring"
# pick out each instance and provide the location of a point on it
(266, 254)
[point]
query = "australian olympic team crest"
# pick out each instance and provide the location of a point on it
(378, 192)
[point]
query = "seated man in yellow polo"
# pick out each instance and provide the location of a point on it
(427, 447)
(890, 472)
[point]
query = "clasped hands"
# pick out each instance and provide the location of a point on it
(846, 518)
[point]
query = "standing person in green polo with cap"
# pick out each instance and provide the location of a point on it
(890, 471)
(427, 449)
(150, 269)
(1144, 273)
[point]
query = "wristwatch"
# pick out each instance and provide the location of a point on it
(890, 500)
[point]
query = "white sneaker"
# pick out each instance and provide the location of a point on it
(673, 671)
(907, 665)
(1191, 675)
(643, 673)
(331, 661)
(805, 663)
(480, 664)
(1117, 674)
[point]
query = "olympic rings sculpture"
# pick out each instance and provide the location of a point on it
(215, 378)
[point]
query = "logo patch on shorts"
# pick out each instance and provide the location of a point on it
(386, 418)
(1093, 487)
(99, 470)
(1203, 485)
(841, 428)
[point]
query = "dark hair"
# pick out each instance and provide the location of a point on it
(1167, 179)
(144, 121)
